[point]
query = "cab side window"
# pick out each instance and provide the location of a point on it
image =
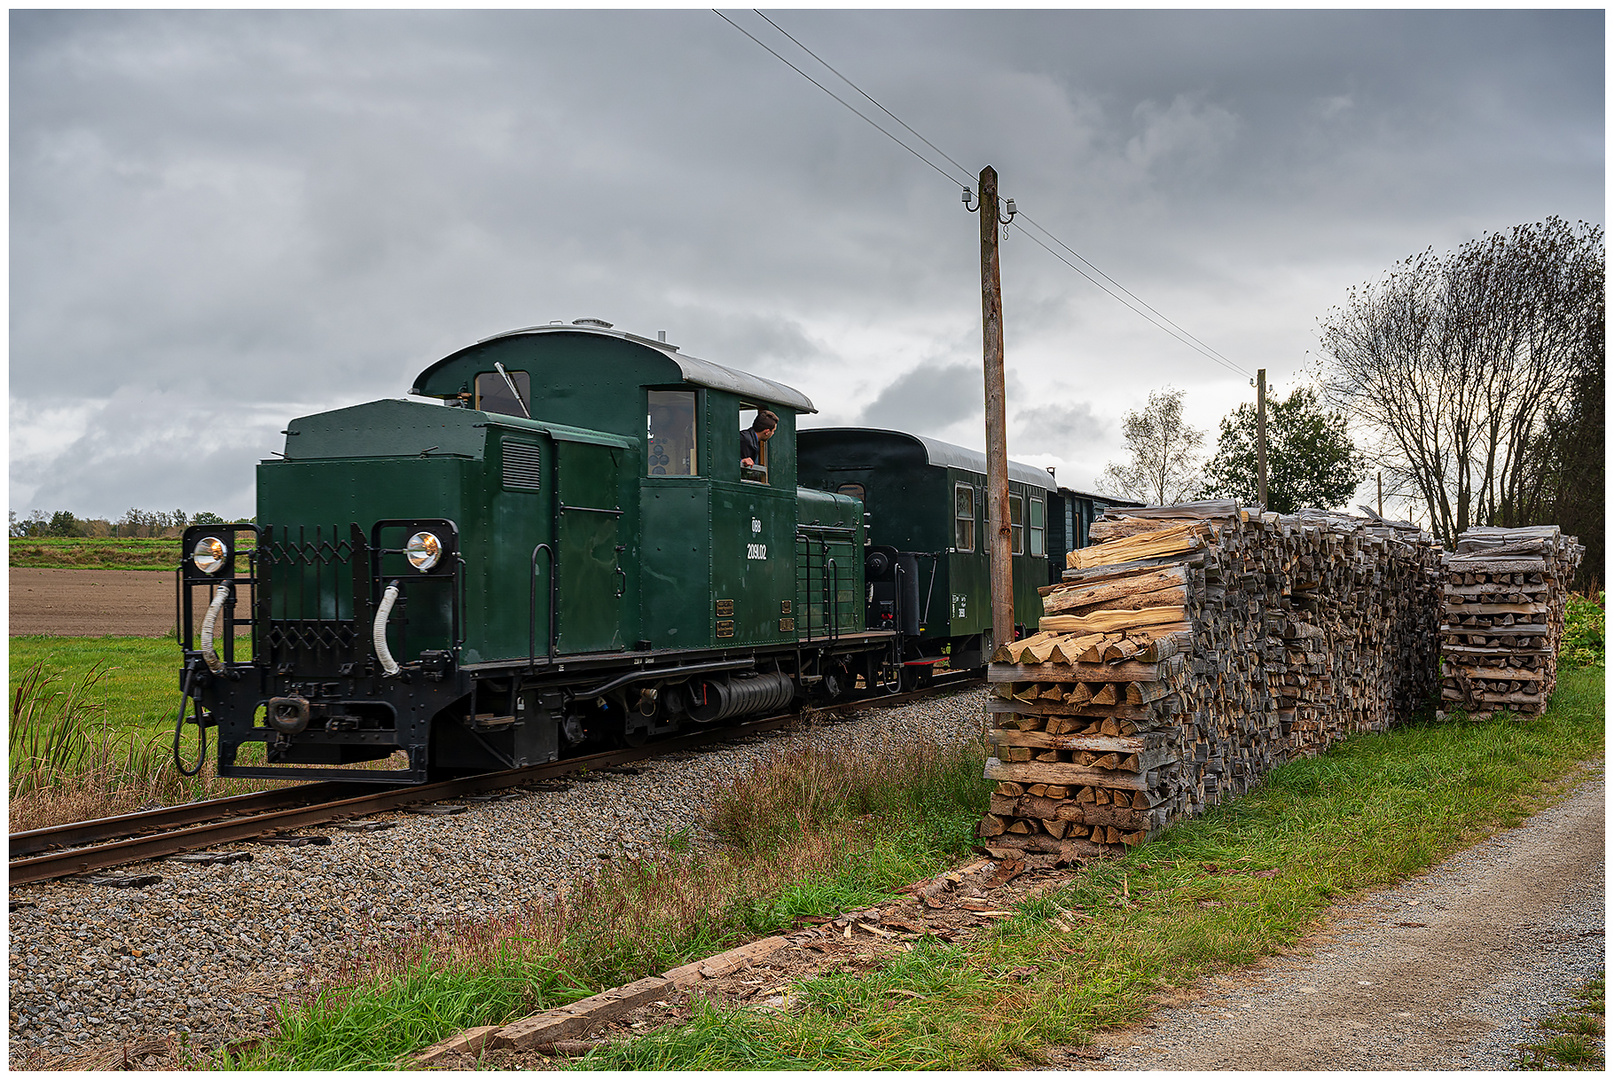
(1017, 527)
(752, 447)
(493, 393)
(670, 448)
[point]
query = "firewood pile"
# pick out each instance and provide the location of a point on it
(1188, 652)
(1506, 592)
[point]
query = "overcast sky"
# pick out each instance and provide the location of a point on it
(221, 220)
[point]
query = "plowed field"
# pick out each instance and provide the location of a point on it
(88, 603)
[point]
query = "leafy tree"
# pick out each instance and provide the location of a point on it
(1311, 460)
(1457, 364)
(35, 524)
(207, 517)
(1164, 463)
(63, 523)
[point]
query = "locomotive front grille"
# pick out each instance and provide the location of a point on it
(327, 637)
(315, 602)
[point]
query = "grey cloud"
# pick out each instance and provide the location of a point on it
(306, 207)
(1062, 429)
(928, 399)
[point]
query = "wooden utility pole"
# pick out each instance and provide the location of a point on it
(997, 449)
(1261, 432)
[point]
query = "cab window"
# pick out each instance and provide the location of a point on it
(1035, 525)
(493, 393)
(854, 490)
(1017, 527)
(670, 448)
(964, 517)
(757, 472)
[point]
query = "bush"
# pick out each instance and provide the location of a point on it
(1582, 644)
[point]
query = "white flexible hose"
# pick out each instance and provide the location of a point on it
(388, 664)
(220, 595)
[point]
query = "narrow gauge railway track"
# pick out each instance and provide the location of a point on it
(83, 847)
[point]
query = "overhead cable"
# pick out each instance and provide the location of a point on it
(1128, 299)
(836, 96)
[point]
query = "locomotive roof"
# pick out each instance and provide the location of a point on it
(946, 455)
(693, 369)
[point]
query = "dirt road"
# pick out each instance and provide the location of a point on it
(1446, 971)
(90, 603)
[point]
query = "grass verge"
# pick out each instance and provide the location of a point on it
(1571, 1039)
(1244, 881)
(814, 834)
(818, 848)
(89, 553)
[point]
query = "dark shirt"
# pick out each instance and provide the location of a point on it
(751, 446)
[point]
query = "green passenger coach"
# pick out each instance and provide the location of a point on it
(928, 561)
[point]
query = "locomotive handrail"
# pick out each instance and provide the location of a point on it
(833, 579)
(532, 605)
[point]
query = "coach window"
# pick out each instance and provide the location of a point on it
(964, 517)
(1017, 527)
(1035, 524)
(670, 434)
(493, 393)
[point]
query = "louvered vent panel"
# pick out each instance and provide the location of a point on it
(522, 467)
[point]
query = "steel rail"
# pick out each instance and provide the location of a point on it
(256, 814)
(100, 830)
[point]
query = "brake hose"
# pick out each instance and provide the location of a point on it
(179, 725)
(220, 595)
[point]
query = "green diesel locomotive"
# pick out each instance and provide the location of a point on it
(557, 544)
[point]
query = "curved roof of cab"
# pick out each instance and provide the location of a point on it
(695, 370)
(947, 455)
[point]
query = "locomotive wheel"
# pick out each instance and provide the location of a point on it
(911, 678)
(838, 682)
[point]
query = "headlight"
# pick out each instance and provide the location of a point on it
(423, 551)
(209, 554)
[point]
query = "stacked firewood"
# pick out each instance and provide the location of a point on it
(1188, 652)
(1506, 591)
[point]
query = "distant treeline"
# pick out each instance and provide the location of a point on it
(134, 524)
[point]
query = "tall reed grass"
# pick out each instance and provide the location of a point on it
(69, 762)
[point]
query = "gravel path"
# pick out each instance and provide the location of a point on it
(1447, 971)
(206, 952)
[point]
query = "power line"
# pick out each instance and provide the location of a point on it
(1136, 305)
(1166, 325)
(837, 97)
(859, 89)
(1199, 345)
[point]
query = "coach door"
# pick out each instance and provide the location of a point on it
(589, 547)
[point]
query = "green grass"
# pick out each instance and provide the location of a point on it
(648, 915)
(138, 689)
(1582, 642)
(91, 732)
(816, 834)
(82, 553)
(1571, 1039)
(1244, 881)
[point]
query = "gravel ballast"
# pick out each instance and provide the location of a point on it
(205, 953)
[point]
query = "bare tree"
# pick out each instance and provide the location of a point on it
(1164, 463)
(1454, 363)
